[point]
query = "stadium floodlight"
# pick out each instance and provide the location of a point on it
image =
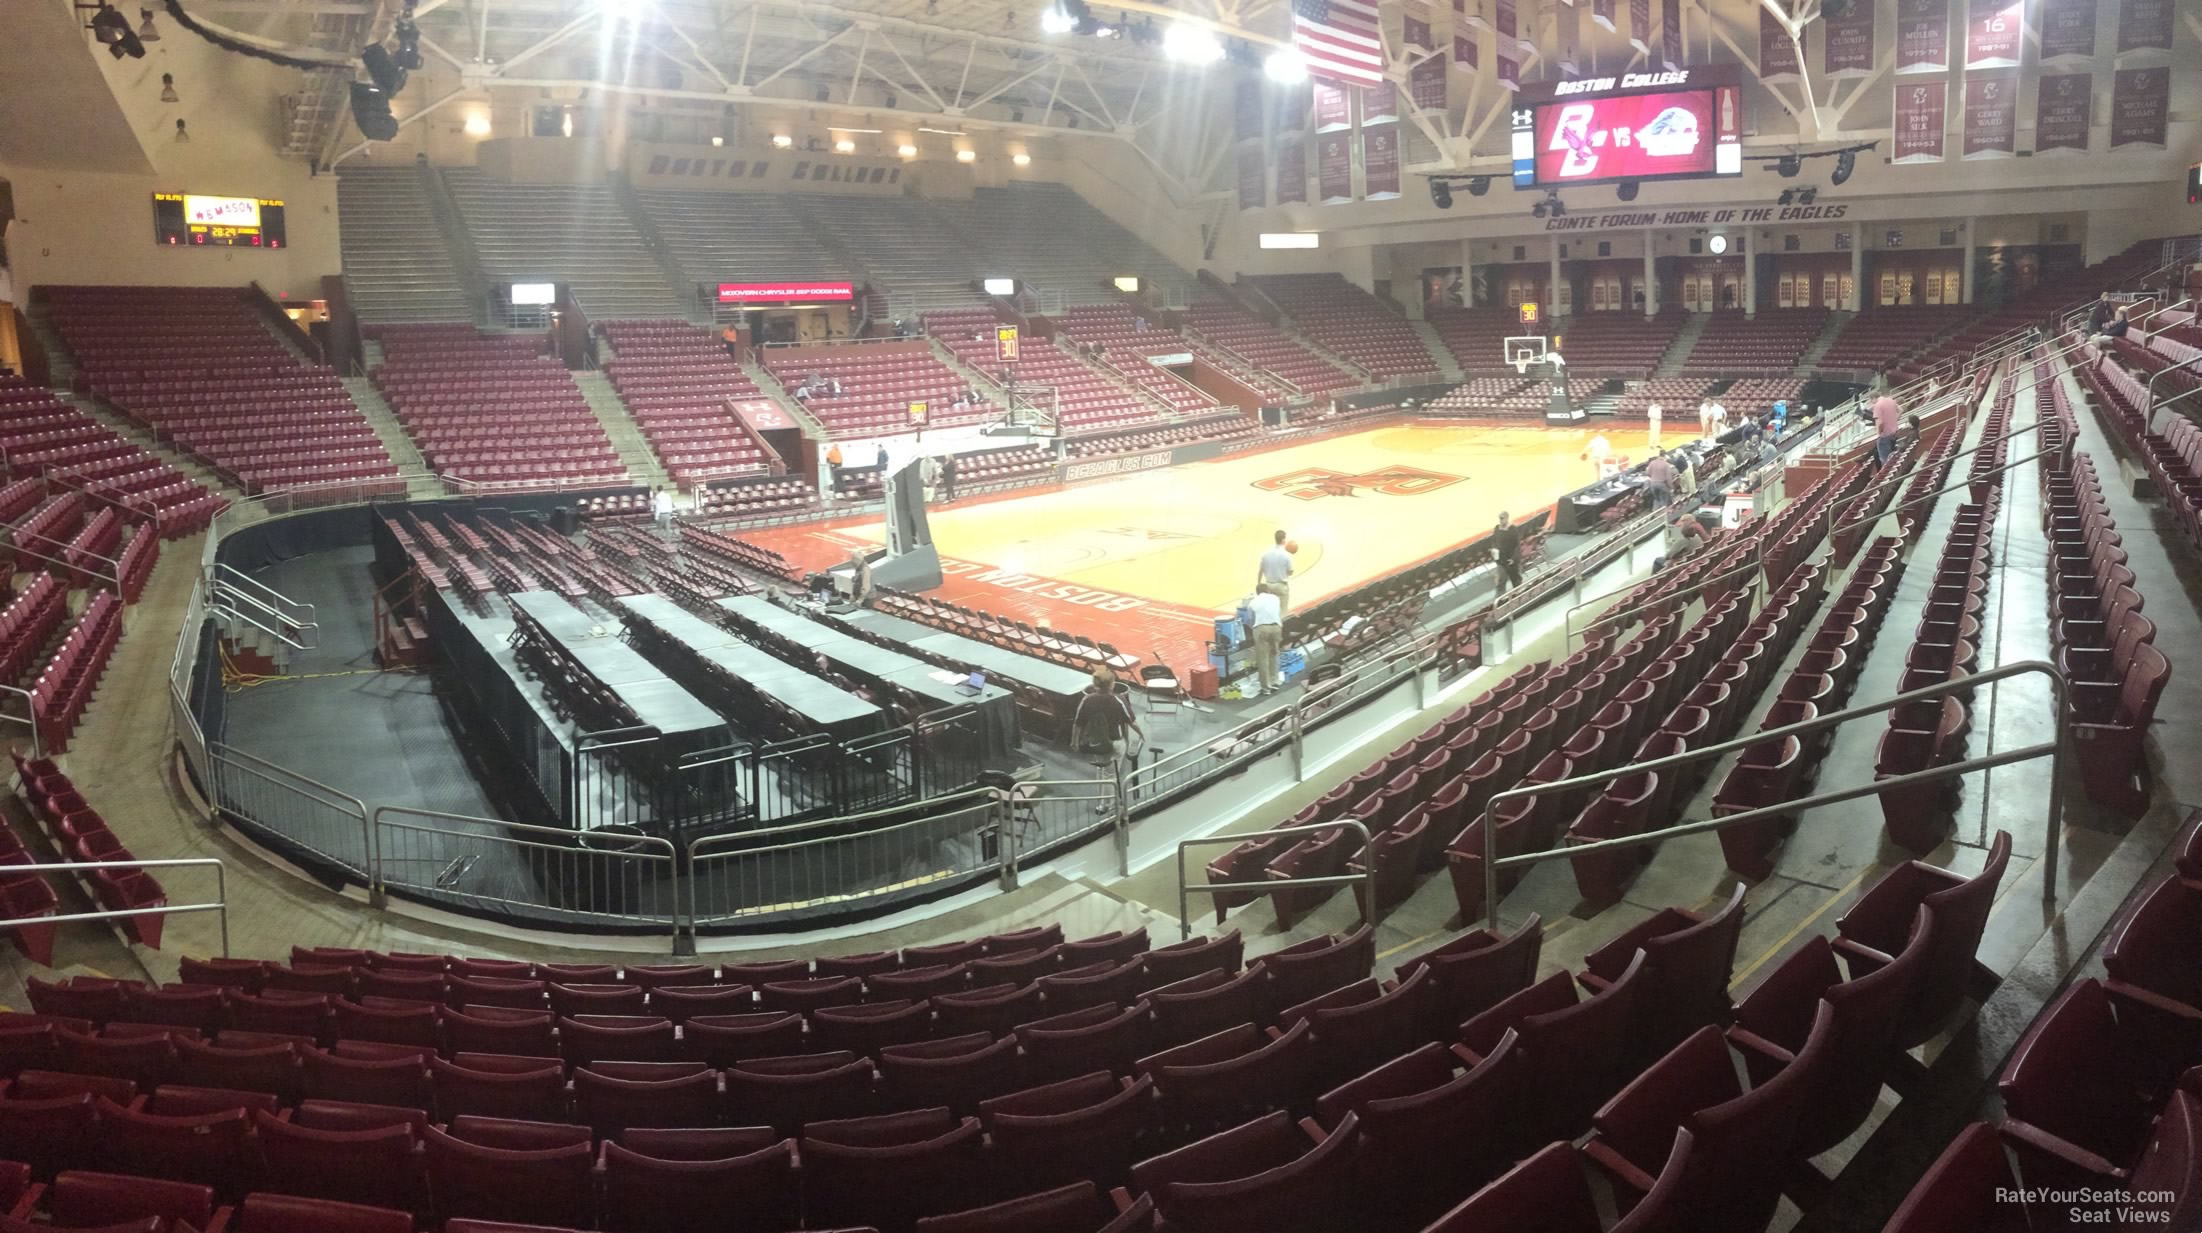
(1808, 196)
(1845, 163)
(1478, 185)
(1441, 194)
(1789, 166)
(371, 111)
(1537, 210)
(1628, 190)
(383, 69)
(1189, 43)
(147, 32)
(1055, 19)
(1286, 66)
(107, 25)
(1788, 197)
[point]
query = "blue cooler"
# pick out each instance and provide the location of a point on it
(1230, 632)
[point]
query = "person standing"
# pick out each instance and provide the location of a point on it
(1275, 575)
(929, 475)
(1659, 477)
(1705, 419)
(947, 478)
(1268, 638)
(1103, 726)
(1598, 452)
(883, 463)
(833, 467)
(1779, 421)
(1652, 416)
(1888, 420)
(1506, 554)
(661, 507)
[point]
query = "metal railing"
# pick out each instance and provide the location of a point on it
(809, 865)
(2053, 749)
(251, 790)
(1366, 879)
(220, 906)
(2148, 413)
(29, 717)
(547, 875)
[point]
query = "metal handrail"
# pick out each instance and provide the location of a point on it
(216, 749)
(29, 717)
(237, 578)
(2059, 686)
(1366, 880)
(2148, 413)
(221, 891)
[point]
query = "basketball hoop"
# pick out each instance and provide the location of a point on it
(1521, 365)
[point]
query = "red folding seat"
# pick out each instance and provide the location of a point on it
(888, 1171)
(515, 994)
(996, 1009)
(1879, 925)
(607, 999)
(1317, 965)
(616, 1038)
(81, 997)
(532, 1089)
(786, 1092)
(1364, 1024)
(1548, 1193)
(50, 1134)
(1117, 947)
(1577, 1053)
(1082, 1128)
(549, 1184)
(1474, 971)
(724, 1040)
(1105, 1037)
(1237, 1072)
(581, 973)
(755, 1192)
(280, 1013)
(680, 1003)
(209, 1149)
(144, 1060)
(180, 1100)
(496, 1029)
(1075, 1208)
(245, 974)
(867, 1028)
(803, 996)
(394, 1023)
(404, 984)
(309, 978)
(282, 1213)
(399, 1081)
(1687, 958)
(1268, 1174)
(1427, 1133)
(1968, 1187)
(89, 1200)
(613, 1096)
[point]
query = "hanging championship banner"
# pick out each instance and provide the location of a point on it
(1922, 115)
(1426, 84)
(1777, 51)
(1414, 28)
(1502, 24)
(1464, 51)
(1601, 11)
(1331, 109)
(1253, 174)
(1846, 49)
(1994, 29)
(2140, 102)
(1507, 70)
(1922, 36)
(1380, 161)
(1670, 35)
(1640, 27)
(2067, 32)
(1292, 171)
(1379, 103)
(2144, 25)
(1991, 116)
(2063, 108)
(1334, 168)
(1246, 108)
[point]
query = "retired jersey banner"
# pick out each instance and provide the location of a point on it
(1414, 28)
(1777, 51)
(1640, 27)
(1380, 161)
(1246, 108)
(2140, 102)
(1426, 84)
(1601, 11)
(1847, 43)
(1922, 36)
(2067, 32)
(1253, 176)
(1464, 51)
(1994, 30)
(1379, 103)
(1292, 171)
(1331, 109)
(1991, 116)
(1334, 168)
(1503, 24)
(1506, 70)
(2144, 25)
(1671, 51)
(2063, 108)
(1922, 114)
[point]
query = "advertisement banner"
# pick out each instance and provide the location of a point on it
(1379, 103)
(2144, 25)
(789, 291)
(2063, 108)
(1922, 113)
(1991, 116)
(1847, 47)
(1670, 35)
(2067, 32)
(1601, 11)
(1292, 171)
(1426, 84)
(1414, 28)
(1253, 176)
(1380, 161)
(1777, 51)
(1922, 36)
(1331, 109)
(1464, 51)
(2140, 102)
(1640, 27)
(1246, 108)
(1994, 30)
(1334, 168)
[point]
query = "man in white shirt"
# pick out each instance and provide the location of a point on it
(1598, 452)
(1268, 637)
(1651, 420)
(1275, 576)
(661, 506)
(1705, 419)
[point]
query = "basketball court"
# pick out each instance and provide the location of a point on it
(1146, 561)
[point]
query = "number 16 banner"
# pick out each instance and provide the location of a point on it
(1994, 30)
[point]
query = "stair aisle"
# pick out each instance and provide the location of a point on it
(1670, 364)
(1440, 354)
(384, 421)
(634, 452)
(1808, 363)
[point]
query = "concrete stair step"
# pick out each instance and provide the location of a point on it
(771, 388)
(634, 451)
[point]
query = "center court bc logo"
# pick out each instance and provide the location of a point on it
(1315, 483)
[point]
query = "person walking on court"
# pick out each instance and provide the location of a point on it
(1275, 575)
(1506, 554)
(1705, 419)
(1103, 726)
(1599, 452)
(947, 478)
(1888, 420)
(1268, 638)
(1652, 416)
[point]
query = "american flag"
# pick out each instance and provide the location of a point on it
(1339, 40)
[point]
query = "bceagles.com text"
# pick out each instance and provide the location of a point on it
(2121, 1208)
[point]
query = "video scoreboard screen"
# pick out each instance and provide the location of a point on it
(230, 222)
(1678, 125)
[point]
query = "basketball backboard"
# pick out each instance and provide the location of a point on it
(1525, 351)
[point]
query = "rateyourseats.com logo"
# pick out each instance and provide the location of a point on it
(2123, 1209)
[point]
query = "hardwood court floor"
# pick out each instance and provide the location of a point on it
(1148, 559)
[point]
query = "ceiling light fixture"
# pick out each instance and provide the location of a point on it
(1286, 66)
(781, 141)
(1021, 159)
(477, 124)
(906, 150)
(168, 88)
(1845, 163)
(967, 155)
(183, 135)
(146, 31)
(1192, 44)
(844, 146)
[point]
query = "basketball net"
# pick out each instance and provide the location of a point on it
(1521, 364)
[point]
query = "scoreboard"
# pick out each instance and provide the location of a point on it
(1682, 124)
(193, 219)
